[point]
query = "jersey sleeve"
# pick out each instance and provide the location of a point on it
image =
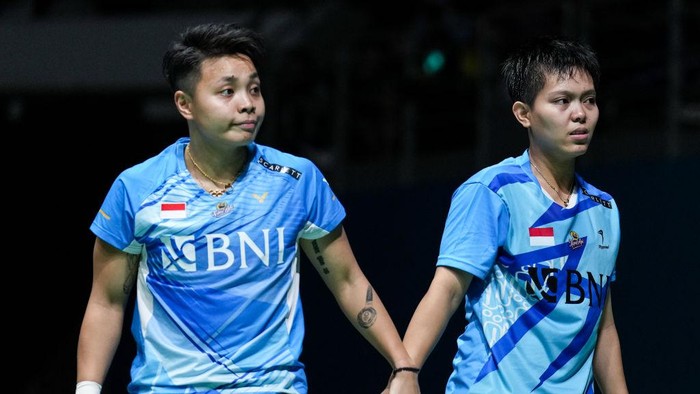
(114, 222)
(325, 210)
(476, 226)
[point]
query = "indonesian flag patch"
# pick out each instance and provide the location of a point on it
(173, 210)
(541, 236)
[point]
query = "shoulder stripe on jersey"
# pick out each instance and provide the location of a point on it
(279, 168)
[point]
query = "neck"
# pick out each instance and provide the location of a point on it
(220, 165)
(559, 184)
(217, 184)
(559, 171)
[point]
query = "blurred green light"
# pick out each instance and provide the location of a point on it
(434, 62)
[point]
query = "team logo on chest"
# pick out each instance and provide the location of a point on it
(222, 209)
(575, 241)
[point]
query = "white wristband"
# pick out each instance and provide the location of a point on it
(88, 387)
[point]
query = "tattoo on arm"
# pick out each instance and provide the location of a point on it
(367, 315)
(319, 258)
(133, 262)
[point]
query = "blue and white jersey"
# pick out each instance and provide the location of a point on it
(217, 301)
(541, 275)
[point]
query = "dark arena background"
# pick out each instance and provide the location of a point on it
(397, 104)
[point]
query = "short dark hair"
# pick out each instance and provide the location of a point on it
(182, 60)
(525, 70)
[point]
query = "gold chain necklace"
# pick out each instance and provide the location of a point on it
(225, 185)
(565, 200)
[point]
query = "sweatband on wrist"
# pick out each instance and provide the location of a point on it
(88, 387)
(405, 369)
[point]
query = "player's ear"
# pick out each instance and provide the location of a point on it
(183, 103)
(521, 111)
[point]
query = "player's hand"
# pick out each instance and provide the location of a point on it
(402, 383)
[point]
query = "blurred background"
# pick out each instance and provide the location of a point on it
(397, 103)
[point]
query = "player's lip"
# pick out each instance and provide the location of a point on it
(580, 135)
(247, 124)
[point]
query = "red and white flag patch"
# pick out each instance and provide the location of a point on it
(173, 210)
(541, 236)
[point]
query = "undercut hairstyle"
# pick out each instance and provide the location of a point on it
(526, 69)
(183, 59)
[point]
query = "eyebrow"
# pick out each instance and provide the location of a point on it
(565, 91)
(233, 78)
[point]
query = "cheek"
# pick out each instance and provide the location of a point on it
(593, 117)
(260, 108)
(547, 121)
(216, 110)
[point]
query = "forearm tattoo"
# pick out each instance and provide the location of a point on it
(319, 258)
(133, 265)
(368, 314)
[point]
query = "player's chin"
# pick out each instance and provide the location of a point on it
(579, 150)
(241, 136)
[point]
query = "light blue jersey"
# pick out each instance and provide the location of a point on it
(541, 275)
(217, 296)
